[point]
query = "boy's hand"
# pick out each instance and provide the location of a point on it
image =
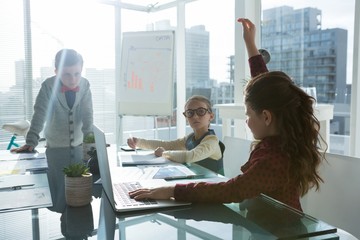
(23, 149)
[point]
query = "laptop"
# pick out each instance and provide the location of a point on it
(117, 192)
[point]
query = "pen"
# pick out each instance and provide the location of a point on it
(130, 135)
(142, 169)
(183, 177)
(32, 158)
(17, 187)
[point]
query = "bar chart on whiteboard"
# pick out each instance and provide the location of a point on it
(147, 72)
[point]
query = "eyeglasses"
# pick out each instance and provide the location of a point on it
(199, 111)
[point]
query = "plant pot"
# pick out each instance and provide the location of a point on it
(77, 222)
(78, 190)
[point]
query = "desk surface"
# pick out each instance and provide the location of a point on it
(260, 218)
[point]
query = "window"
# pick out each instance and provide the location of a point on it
(321, 38)
(55, 25)
(311, 49)
(12, 66)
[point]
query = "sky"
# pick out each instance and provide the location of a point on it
(220, 47)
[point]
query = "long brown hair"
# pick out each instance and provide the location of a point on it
(297, 125)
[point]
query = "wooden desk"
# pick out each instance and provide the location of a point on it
(236, 112)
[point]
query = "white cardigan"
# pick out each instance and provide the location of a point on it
(64, 127)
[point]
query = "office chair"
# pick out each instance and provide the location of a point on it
(215, 166)
(237, 153)
(19, 128)
(265, 55)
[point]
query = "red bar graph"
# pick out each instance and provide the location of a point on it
(135, 82)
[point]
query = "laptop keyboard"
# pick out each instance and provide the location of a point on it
(122, 192)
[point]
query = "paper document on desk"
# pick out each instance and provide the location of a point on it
(20, 163)
(141, 158)
(6, 155)
(172, 171)
(19, 192)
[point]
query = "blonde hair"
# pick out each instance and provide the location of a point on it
(199, 98)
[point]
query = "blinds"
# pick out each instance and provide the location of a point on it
(12, 86)
(27, 57)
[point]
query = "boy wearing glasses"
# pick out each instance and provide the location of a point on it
(201, 146)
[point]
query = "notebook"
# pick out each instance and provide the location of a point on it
(24, 191)
(141, 157)
(172, 171)
(117, 192)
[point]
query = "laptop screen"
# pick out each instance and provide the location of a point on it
(105, 174)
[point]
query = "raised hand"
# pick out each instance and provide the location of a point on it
(249, 31)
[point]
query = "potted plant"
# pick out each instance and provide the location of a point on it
(88, 145)
(78, 184)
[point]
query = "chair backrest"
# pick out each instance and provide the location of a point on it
(236, 154)
(339, 194)
(19, 128)
(222, 148)
(221, 161)
(216, 166)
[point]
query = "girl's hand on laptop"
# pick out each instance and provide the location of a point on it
(159, 151)
(161, 193)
